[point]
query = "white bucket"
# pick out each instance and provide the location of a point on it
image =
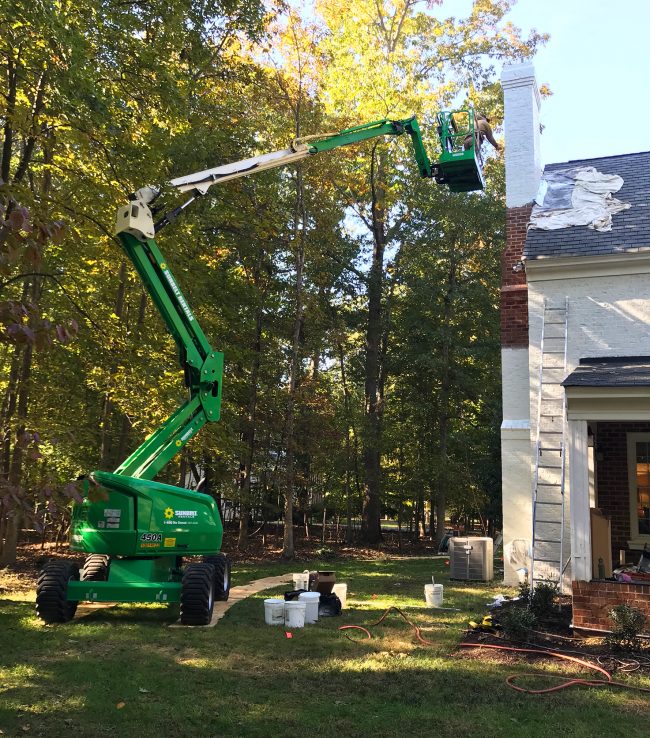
(311, 600)
(301, 581)
(437, 595)
(341, 591)
(433, 594)
(294, 614)
(428, 594)
(274, 611)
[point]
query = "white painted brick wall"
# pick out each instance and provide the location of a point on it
(608, 316)
(516, 475)
(522, 134)
(516, 467)
(515, 384)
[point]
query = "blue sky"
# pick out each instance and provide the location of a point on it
(597, 63)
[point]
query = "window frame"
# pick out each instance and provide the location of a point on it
(637, 540)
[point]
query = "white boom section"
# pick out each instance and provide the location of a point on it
(202, 181)
(136, 217)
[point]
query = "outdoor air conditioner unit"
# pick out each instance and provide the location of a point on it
(471, 558)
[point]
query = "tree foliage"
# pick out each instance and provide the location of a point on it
(355, 304)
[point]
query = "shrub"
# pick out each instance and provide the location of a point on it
(543, 597)
(629, 622)
(524, 591)
(516, 622)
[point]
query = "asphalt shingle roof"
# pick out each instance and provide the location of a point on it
(630, 228)
(617, 371)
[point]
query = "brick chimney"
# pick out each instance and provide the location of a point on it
(521, 121)
(523, 173)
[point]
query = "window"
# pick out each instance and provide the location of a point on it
(638, 457)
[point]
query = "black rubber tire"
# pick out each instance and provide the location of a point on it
(197, 594)
(95, 568)
(222, 570)
(52, 604)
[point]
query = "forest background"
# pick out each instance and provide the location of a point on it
(356, 305)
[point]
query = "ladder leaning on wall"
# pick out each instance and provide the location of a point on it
(547, 560)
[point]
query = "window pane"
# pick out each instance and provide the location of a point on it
(643, 486)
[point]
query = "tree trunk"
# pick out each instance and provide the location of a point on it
(10, 399)
(300, 219)
(399, 528)
(444, 402)
(105, 457)
(348, 448)
(371, 523)
(249, 433)
(19, 403)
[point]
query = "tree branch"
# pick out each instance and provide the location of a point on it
(57, 281)
(12, 84)
(31, 140)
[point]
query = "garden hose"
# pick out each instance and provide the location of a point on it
(606, 682)
(417, 630)
(566, 683)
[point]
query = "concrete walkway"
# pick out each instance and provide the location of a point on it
(237, 594)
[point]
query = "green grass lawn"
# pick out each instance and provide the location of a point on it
(243, 678)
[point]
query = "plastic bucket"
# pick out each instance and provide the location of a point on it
(437, 595)
(294, 614)
(428, 594)
(274, 611)
(341, 591)
(311, 600)
(301, 581)
(433, 594)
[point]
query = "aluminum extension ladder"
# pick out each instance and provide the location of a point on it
(547, 560)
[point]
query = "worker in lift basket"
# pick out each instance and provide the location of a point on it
(482, 131)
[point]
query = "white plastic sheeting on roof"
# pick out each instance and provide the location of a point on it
(581, 196)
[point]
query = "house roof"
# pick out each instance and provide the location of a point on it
(630, 228)
(617, 371)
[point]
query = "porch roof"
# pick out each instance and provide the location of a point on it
(615, 371)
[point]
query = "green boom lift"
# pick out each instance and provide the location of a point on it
(133, 529)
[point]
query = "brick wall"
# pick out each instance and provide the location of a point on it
(593, 600)
(514, 291)
(612, 478)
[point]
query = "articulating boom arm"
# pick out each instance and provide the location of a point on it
(202, 365)
(137, 218)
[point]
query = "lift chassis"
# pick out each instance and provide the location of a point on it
(135, 531)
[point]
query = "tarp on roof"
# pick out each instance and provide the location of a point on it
(577, 196)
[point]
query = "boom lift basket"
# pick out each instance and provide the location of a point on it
(460, 162)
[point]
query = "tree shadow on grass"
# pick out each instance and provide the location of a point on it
(90, 678)
(147, 690)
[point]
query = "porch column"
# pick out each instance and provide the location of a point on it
(579, 501)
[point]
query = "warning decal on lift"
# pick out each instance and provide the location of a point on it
(112, 516)
(170, 542)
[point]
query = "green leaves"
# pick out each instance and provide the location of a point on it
(103, 97)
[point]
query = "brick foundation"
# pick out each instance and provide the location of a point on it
(514, 290)
(593, 600)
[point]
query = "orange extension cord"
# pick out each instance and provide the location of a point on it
(606, 682)
(418, 633)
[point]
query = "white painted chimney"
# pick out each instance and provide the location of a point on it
(522, 134)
